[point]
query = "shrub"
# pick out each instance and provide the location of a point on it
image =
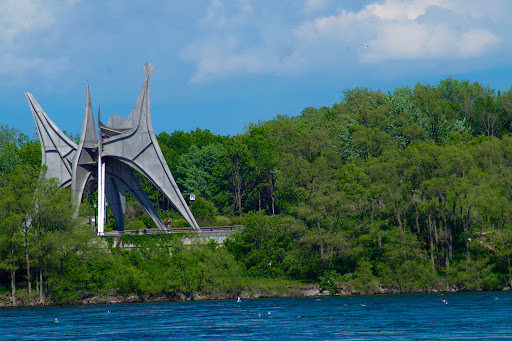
(222, 221)
(135, 225)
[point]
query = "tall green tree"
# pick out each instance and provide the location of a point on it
(54, 213)
(234, 174)
(195, 170)
(17, 207)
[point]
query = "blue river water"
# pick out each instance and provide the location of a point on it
(450, 316)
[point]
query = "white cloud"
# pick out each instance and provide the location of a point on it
(476, 42)
(16, 65)
(227, 15)
(392, 30)
(400, 10)
(314, 5)
(23, 16)
(223, 57)
(20, 20)
(413, 41)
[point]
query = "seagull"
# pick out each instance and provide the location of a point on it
(55, 321)
(239, 300)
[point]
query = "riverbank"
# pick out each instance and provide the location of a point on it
(297, 290)
(277, 290)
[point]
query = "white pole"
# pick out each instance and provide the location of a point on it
(101, 199)
(101, 184)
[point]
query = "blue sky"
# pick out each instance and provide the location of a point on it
(220, 65)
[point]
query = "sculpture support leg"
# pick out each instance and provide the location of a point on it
(115, 195)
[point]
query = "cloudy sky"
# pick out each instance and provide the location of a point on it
(220, 64)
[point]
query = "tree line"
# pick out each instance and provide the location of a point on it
(409, 189)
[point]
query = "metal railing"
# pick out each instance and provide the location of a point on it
(177, 230)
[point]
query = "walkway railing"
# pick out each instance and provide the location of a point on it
(219, 229)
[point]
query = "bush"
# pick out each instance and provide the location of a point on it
(204, 210)
(364, 278)
(328, 282)
(222, 221)
(135, 225)
(237, 221)
(148, 222)
(180, 222)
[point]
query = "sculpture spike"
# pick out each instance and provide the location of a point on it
(85, 157)
(57, 149)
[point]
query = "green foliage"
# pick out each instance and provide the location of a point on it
(204, 211)
(234, 174)
(222, 221)
(263, 244)
(364, 277)
(135, 225)
(179, 143)
(9, 159)
(409, 190)
(195, 169)
(328, 282)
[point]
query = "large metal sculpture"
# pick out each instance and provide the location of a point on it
(108, 155)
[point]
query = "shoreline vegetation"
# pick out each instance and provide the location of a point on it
(406, 191)
(289, 290)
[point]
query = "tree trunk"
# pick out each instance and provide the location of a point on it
(397, 213)
(417, 222)
(466, 240)
(435, 232)
(13, 287)
(271, 189)
(371, 213)
(13, 276)
(27, 257)
(259, 199)
(321, 241)
(509, 272)
(238, 192)
(447, 270)
(41, 291)
(431, 241)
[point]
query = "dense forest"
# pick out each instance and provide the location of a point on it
(409, 190)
